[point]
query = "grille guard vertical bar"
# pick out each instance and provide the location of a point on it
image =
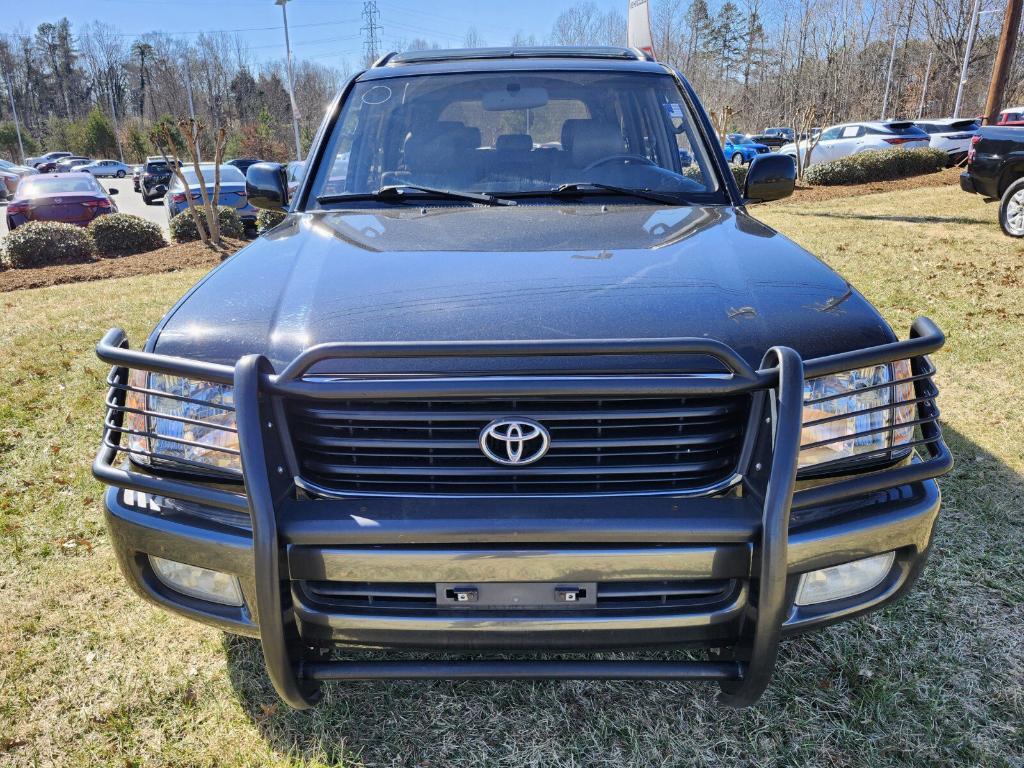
(266, 552)
(771, 600)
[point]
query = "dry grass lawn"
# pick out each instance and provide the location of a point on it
(90, 675)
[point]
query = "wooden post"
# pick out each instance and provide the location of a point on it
(1004, 59)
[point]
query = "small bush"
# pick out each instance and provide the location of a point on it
(121, 234)
(266, 219)
(183, 226)
(739, 172)
(877, 165)
(42, 243)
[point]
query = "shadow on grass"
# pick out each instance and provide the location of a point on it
(969, 220)
(935, 667)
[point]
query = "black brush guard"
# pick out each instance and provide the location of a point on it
(742, 671)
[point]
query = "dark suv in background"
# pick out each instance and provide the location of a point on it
(155, 178)
(508, 376)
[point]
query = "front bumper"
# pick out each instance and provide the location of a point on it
(756, 542)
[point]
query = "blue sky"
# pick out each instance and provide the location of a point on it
(326, 31)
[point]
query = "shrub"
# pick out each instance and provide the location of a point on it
(183, 226)
(739, 172)
(877, 165)
(42, 243)
(266, 219)
(121, 234)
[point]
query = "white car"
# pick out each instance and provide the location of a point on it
(952, 135)
(847, 139)
(106, 168)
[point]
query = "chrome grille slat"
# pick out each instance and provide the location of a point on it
(620, 444)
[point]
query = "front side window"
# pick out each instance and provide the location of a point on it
(518, 133)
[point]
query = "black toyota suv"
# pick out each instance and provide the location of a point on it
(156, 177)
(510, 377)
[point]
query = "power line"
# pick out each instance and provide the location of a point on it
(233, 31)
(371, 28)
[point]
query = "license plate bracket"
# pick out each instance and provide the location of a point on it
(490, 595)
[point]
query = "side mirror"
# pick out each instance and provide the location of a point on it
(769, 177)
(266, 186)
(112, 191)
(160, 189)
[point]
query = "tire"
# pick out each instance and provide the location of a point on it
(1011, 209)
(737, 159)
(147, 199)
(120, 174)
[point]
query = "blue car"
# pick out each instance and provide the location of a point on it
(740, 150)
(232, 191)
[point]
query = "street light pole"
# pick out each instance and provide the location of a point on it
(291, 79)
(924, 90)
(1004, 59)
(14, 114)
(967, 58)
(888, 76)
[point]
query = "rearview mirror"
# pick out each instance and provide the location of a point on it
(266, 186)
(514, 96)
(769, 177)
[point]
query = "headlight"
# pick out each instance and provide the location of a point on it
(857, 412)
(181, 421)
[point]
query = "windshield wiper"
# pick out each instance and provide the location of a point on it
(399, 192)
(580, 187)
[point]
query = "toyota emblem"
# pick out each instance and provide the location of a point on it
(514, 442)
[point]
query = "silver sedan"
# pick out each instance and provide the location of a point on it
(106, 168)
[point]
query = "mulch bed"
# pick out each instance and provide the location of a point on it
(173, 258)
(805, 194)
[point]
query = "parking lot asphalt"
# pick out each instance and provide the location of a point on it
(128, 201)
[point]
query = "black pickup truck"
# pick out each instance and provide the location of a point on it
(508, 377)
(995, 169)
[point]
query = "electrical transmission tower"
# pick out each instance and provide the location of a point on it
(371, 31)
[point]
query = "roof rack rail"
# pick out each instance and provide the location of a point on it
(514, 52)
(383, 60)
(641, 54)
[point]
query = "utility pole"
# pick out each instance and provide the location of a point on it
(371, 26)
(14, 114)
(1004, 58)
(888, 76)
(117, 130)
(967, 58)
(291, 79)
(924, 90)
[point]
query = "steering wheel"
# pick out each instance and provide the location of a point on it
(640, 159)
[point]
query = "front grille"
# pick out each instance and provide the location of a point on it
(649, 597)
(613, 445)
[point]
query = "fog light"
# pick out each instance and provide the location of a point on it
(844, 580)
(198, 582)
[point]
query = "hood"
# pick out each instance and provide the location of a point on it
(533, 271)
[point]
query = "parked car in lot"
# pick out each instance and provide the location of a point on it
(773, 137)
(74, 198)
(951, 135)
(18, 170)
(995, 170)
(156, 176)
(839, 141)
(136, 176)
(243, 163)
(739, 149)
(481, 392)
(69, 164)
(36, 162)
(232, 191)
(108, 168)
(1010, 116)
(51, 166)
(8, 184)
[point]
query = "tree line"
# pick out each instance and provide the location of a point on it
(754, 63)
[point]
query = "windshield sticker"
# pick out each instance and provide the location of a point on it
(673, 109)
(377, 95)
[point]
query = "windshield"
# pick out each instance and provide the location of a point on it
(509, 133)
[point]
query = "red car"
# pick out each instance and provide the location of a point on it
(1011, 116)
(74, 198)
